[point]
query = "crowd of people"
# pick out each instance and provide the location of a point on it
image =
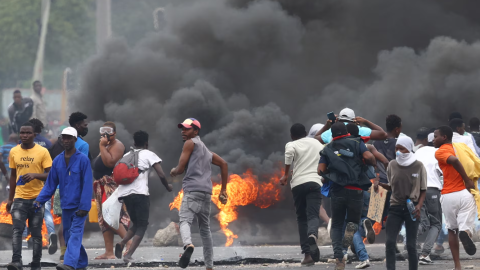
(38, 169)
(332, 171)
(429, 183)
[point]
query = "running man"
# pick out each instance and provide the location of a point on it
(458, 204)
(196, 161)
(136, 195)
(72, 172)
(306, 185)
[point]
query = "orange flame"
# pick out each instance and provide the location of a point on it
(241, 191)
(6, 218)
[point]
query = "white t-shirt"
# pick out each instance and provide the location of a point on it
(426, 155)
(457, 138)
(146, 159)
(306, 154)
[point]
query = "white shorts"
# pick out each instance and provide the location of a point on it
(459, 209)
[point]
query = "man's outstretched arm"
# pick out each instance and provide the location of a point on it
(220, 162)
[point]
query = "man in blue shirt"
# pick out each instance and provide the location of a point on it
(72, 172)
(365, 127)
(5, 152)
(78, 121)
(39, 138)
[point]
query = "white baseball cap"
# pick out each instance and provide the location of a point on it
(430, 137)
(314, 129)
(346, 114)
(70, 131)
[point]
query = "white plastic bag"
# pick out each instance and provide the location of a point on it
(111, 210)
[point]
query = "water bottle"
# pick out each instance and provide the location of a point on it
(411, 208)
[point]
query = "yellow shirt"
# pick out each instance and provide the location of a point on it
(34, 160)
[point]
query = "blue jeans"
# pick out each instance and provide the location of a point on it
(48, 220)
(73, 227)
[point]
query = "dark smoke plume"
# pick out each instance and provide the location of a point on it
(249, 69)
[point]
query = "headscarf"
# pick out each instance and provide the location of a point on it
(405, 159)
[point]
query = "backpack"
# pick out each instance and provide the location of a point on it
(126, 170)
(346, 166)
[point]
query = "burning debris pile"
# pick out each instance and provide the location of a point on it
(249, 69)
(6, 218)
(242, 190)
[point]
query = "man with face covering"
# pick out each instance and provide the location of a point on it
(407, 179)
(111, 151)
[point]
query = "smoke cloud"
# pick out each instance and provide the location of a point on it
(249, 69)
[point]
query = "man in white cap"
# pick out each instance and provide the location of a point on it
(72, 172)
(347, 115)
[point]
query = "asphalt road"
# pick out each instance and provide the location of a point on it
(401, 265)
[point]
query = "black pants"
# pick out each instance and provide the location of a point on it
(138, 208)
(308, 199)
(21, 211)
(346, 207)
(397, 214)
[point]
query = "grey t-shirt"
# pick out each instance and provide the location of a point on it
(406, 181)
(199, 169)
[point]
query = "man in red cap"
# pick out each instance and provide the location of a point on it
(196, 161)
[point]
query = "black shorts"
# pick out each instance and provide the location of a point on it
(138, 208)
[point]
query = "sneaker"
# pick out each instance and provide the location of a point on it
(15, 266)
(314, 251)
(467, 242)
(329, 226)
(61, 258)
(340, 264)
(363, 265)
(349, 232)
(52, 245)
(369, 232)
(424, 260)
(24, 244)
(185, 259)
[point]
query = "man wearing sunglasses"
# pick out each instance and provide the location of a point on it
(196, 161)
(111, 151)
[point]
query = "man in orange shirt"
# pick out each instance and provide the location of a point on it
(458, 204)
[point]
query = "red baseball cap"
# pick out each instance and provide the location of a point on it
(187, 123)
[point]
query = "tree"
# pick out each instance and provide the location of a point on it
(70, 39)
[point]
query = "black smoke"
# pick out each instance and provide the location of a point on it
(249, 69)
